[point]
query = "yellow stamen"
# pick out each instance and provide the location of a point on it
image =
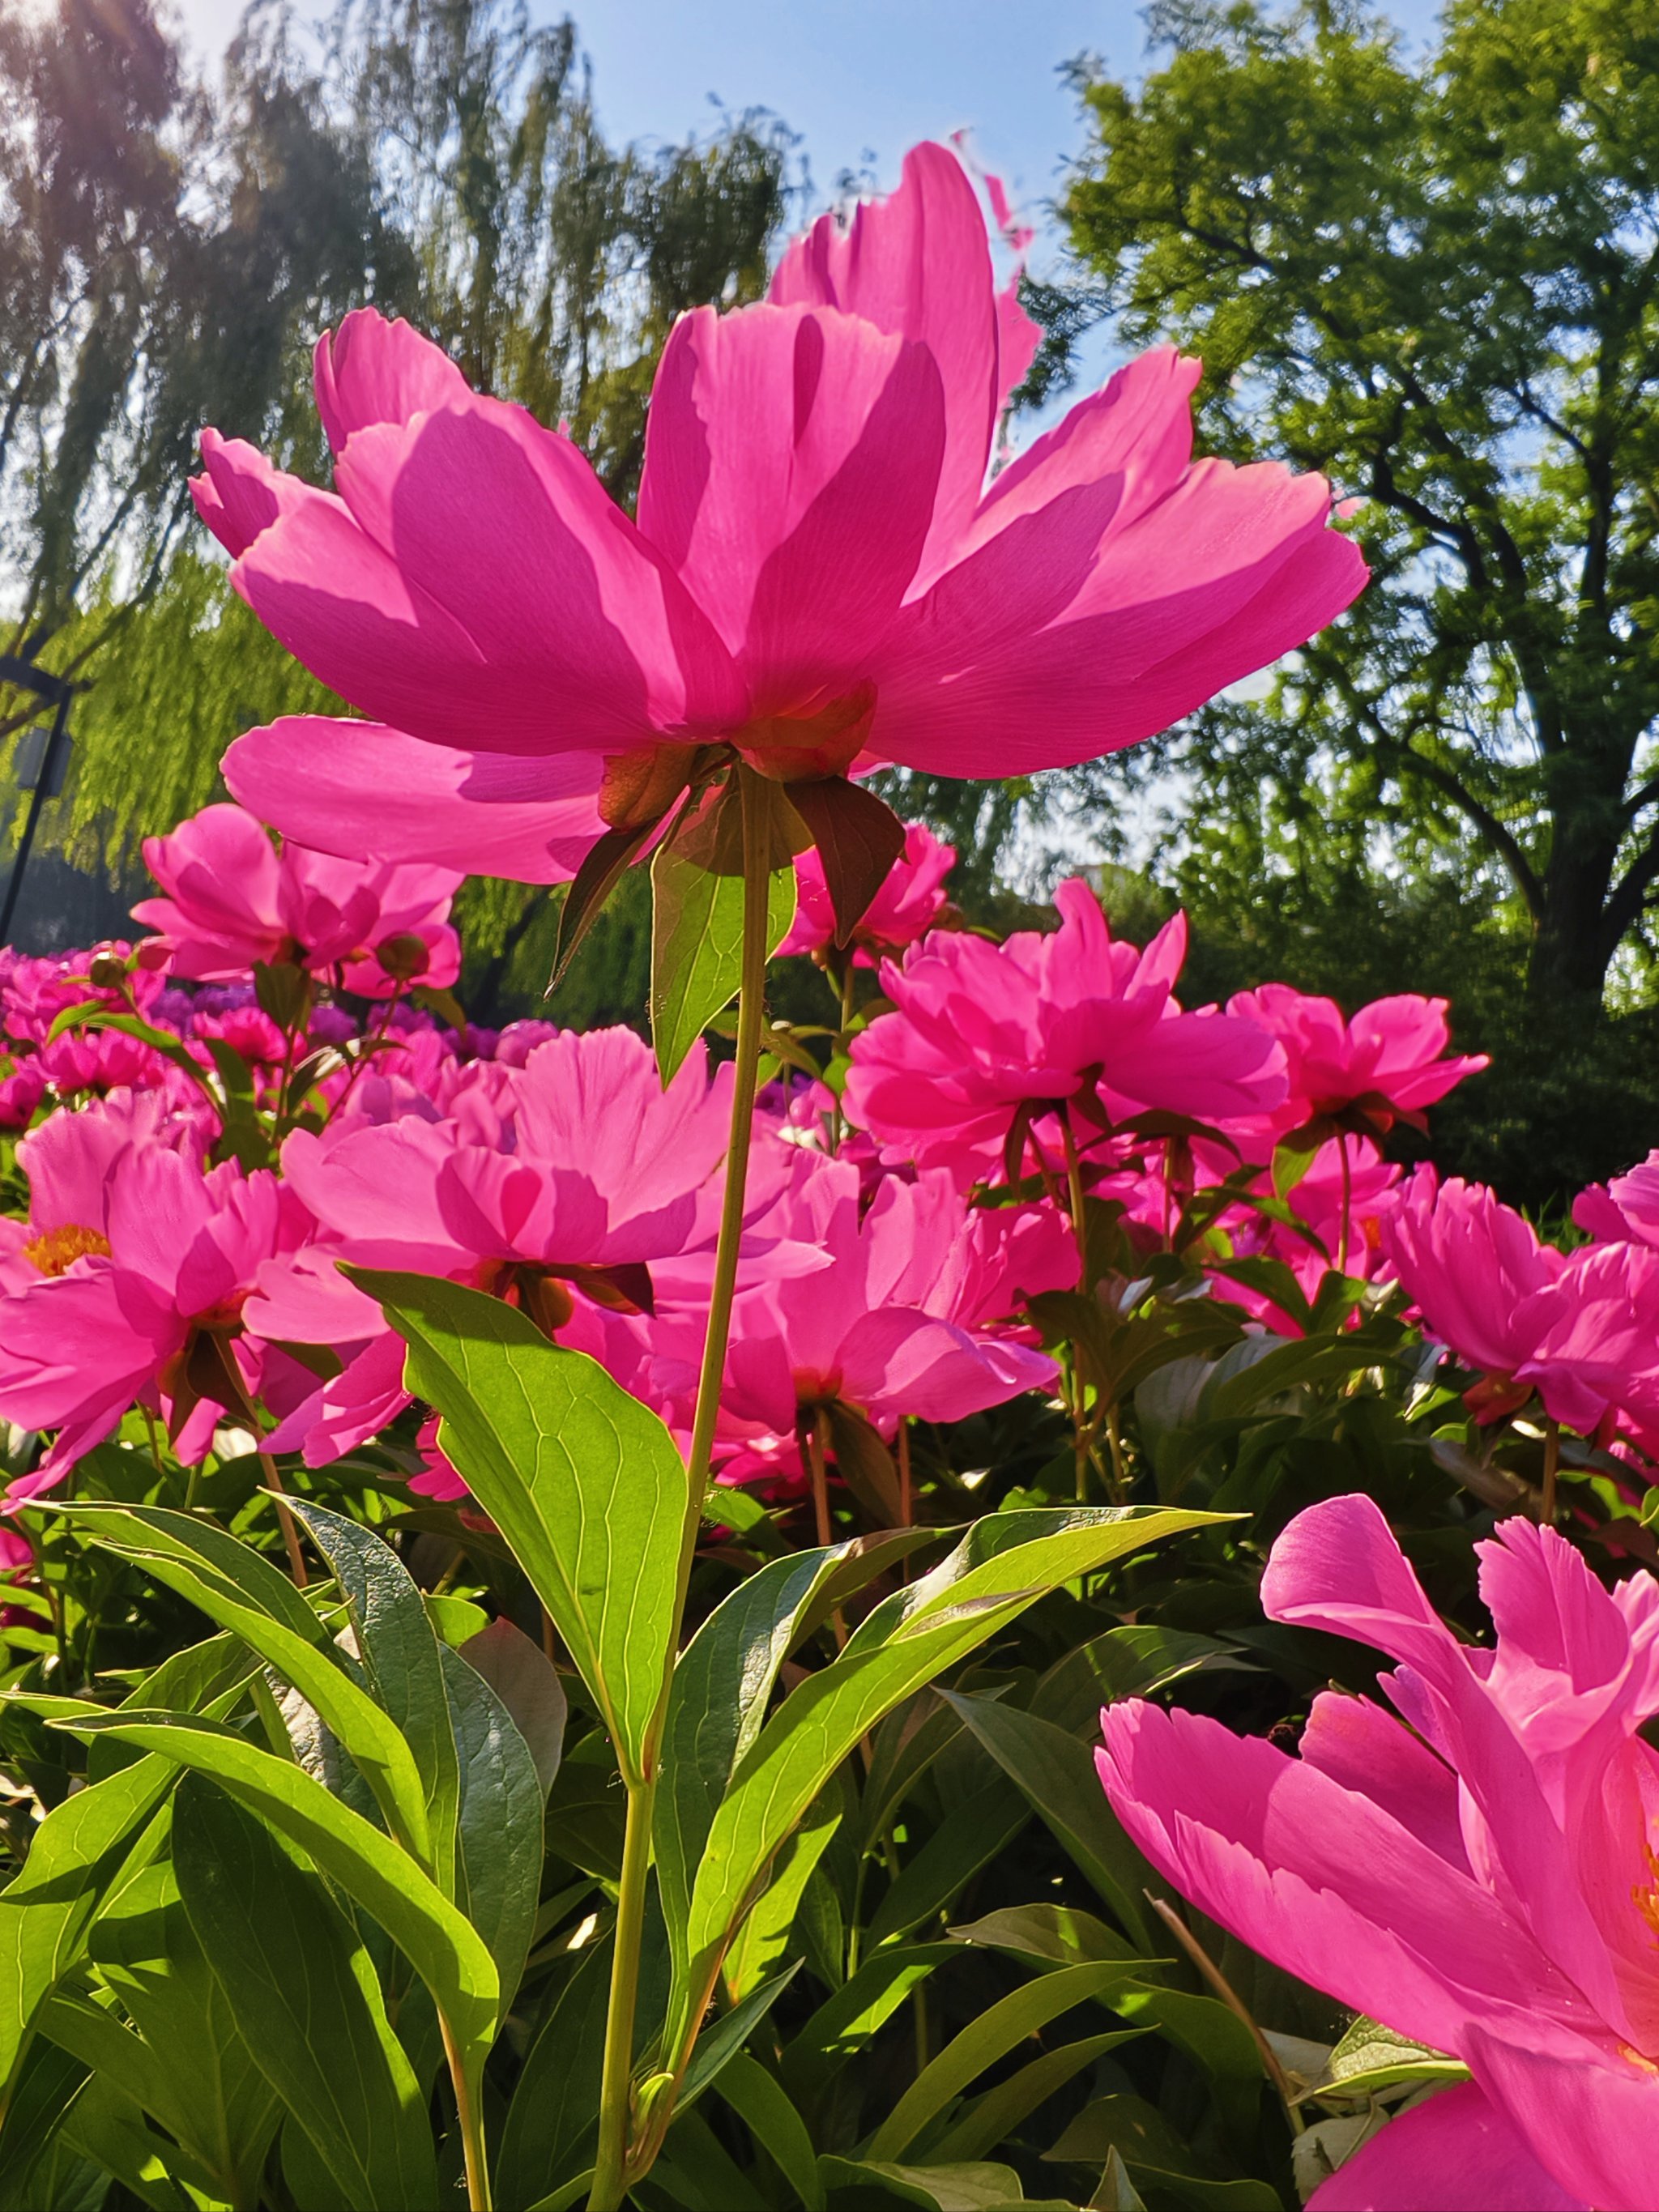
(54, 1251)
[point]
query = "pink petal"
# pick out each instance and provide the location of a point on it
(918, 265)
(1457, 2153)
(1591, 2118)
(358, 787)
(372, 370)
(791, 456)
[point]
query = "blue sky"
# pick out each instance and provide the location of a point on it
(860, 80)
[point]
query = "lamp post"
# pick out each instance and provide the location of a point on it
(53, 691)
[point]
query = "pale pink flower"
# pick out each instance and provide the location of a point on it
(1623, 1211)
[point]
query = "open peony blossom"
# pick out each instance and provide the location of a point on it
(1625, 1211)
(818, 578)
(556, 1186)
(982, 1033)
(233, 899)
(128, 1281)
(907, 906)
(1386, 1062)
(1482, 1879)
(898, 1312)
(1581, 1329)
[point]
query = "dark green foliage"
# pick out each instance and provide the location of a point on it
(1434, 281)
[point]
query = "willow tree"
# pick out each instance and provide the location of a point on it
(171, 251)
(1438, 280)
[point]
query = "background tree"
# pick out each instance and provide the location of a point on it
(1438, 284)
(172, 251)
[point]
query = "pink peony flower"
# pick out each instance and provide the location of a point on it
(561, 1196)
(984, 1032)
(1623, 1211)
(1388, 1061)
(899, 1310)
(908, 903)
(1482, 1879)
(233, 899)
(817, 576)
(1582, 1331)
(34, 990)
(128, 1282)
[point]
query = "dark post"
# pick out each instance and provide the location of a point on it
(52, 691)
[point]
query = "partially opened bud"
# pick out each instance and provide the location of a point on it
(403, 956)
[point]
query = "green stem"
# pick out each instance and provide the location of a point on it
(469, 2114)
(1347, 1202)
(616, 2099)
(1552, 1461)
(613, 2172)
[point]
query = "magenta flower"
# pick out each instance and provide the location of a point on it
(1482, 1879)
(817, 575)
(904, 908)
(128, 1282)
(898, 1311)
(984, 1033)
(1388, 1061)
(233, 899)
(556, 1186)
(1625, 1211)
(1581, 1331)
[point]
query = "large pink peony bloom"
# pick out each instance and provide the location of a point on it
(817, 577)
(233, 899)
(907, 904)
(900, 1311)
(983, 1032)
(1388, 1060)
(558, 1186)
(128, 1283)
(1482, 1879)
(1583, 1331)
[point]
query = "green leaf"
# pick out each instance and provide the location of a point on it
(992, 2119)
(48, 2081)
(969, 2188)
(972, 1834)
(1371, 2057)
(243, 1593)
(444, 1949)
(603, 864)
(996, 2032)
(765, 2109)
(499, 1838)
(1156, 2156)
(722, 1685)
(528, 1683)
(205, 2087)
(858, 837)
(696, 946)
(1057, 1774)
(1056, 1933)
(728, 2035)
(847, 2021)
(552, 2121)
(399, 1650)
(1213, 2034)
(303, 1991)
(1003, 1565)
(79, 1848)
(585, 1483)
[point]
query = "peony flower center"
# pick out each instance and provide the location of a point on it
(56, 1250)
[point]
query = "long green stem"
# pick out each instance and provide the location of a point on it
(1552, 1461)
(612, 2173)
(615, 2101)
(469, 2116)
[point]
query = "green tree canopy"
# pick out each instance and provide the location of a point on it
(1438, 282)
